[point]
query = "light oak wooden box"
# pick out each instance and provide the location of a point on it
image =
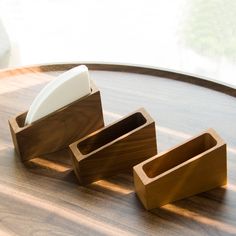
(193, 167)
(114, 148)
(59, 129)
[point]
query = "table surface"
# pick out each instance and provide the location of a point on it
(43, 198)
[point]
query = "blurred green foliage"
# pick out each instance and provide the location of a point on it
(210, 27)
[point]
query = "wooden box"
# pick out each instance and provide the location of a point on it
(59, 129)
(193, 167)
(114, 148)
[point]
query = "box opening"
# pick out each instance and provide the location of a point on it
(111, 133)
(179, 155)
(21, 120)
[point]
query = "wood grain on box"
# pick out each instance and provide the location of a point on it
(114, 148)
(58, 129)
(195, 166)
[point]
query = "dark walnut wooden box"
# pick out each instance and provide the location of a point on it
(59, 129)
(114, 148)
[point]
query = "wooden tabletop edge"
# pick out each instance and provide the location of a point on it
(132, 68)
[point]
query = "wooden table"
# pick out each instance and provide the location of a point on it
(43, 197)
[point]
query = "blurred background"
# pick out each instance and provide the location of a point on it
(191, 36)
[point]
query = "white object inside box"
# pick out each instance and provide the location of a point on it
(63, 90)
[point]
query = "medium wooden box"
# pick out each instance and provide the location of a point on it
(114, 148)
(59, 129)
(193, 167)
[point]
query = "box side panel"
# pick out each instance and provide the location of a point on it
(140, 189)
(14, 137)
(121, 155)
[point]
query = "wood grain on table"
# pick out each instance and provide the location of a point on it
(43, 197)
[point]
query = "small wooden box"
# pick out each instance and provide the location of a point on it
(114, 148)
(196, 166)
(59, 129)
